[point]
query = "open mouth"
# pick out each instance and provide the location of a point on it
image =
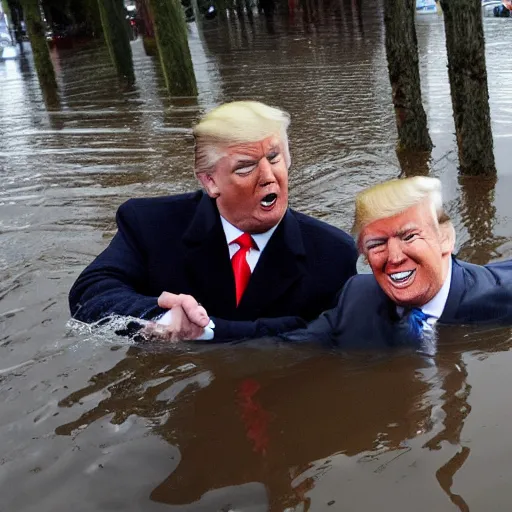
(402, 278)
(269, 200)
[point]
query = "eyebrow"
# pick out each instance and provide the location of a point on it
(245, 160)
(406, 229)
(401, 232)
(241, 159)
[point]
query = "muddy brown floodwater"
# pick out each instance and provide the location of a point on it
(90, 422)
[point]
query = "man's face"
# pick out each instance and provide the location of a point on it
(408, 254)
(250, 184)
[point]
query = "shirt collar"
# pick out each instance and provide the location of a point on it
(232, 233)
(434, 308)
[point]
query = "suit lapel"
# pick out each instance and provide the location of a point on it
(280, 265)
(389, 318)
(457, 289)
(389, 329)
(207, 262)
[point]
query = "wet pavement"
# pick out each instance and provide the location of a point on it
(90, 422)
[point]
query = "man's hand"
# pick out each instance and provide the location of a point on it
(180, 328)
(192, 309)
(187, 321)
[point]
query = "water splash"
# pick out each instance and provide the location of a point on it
(106, 330)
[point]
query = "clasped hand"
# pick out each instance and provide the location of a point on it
(188, 319)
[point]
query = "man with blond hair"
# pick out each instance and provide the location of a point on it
(235, 248)
(408, 240)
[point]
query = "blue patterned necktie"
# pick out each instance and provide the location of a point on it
(425, 337)
(416, 319)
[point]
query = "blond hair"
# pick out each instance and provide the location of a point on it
(234, 123)
(395, 196)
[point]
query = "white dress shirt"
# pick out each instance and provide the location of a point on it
(261, 240)
(435, 307)
(253, 255)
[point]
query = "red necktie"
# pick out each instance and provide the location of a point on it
(241, 269)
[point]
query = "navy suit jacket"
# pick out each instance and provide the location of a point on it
(366, 318)
(177, 244)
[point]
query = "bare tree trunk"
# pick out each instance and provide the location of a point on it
(222, 6)
(239, 6)
(115, 30)
(404, 75)
(43, 63)
(172, 41)
(413, 163)
(15, 14)
(93, 18)
(5, 8)
(468, 83)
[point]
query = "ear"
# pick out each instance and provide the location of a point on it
(447, 233)
(207, 180)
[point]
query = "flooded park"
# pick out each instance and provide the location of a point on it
(92, 421)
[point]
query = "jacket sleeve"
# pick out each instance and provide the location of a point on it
(326, 328)
(107, 286)
(229, 330)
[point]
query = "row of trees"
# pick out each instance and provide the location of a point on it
(163, 23)
(165, 33)
(467, 74)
